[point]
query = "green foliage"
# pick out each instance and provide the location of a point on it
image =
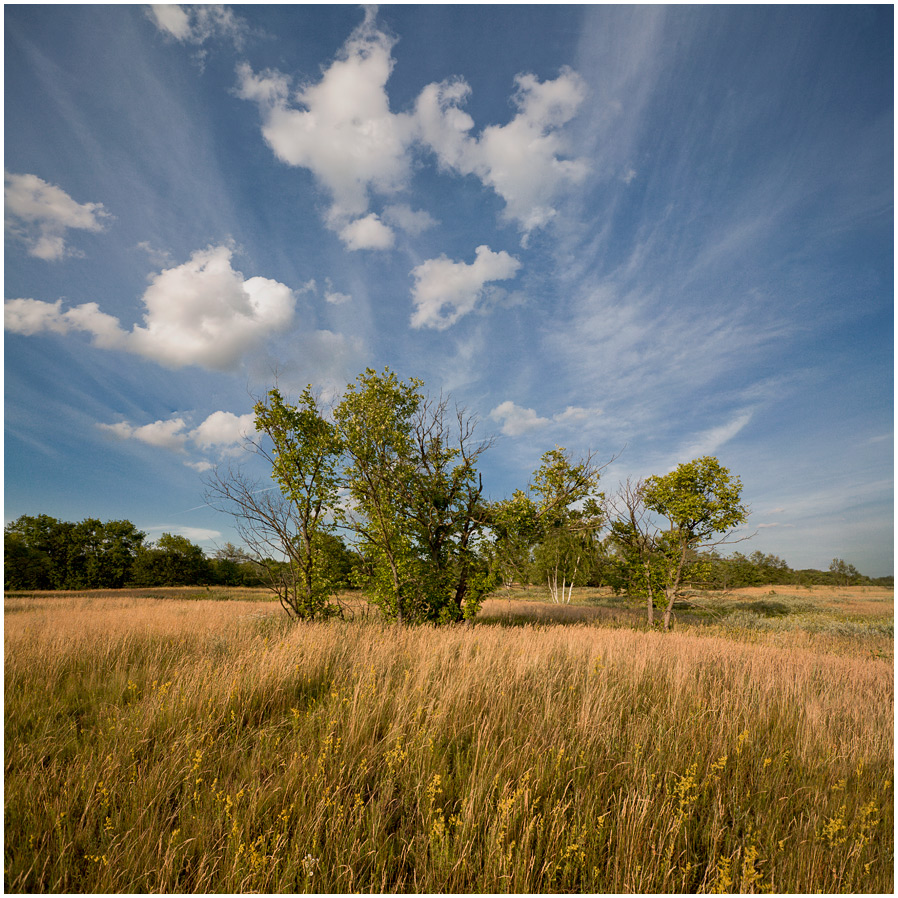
(304, 457)
(700, 498)
(701, 501)
(44, 553)
(416, 507)
(550, 535)
(172, 561)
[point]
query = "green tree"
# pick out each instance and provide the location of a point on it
(45, 553)
(569, 517)
(515, 531)
(843, 572)
(637, 566)
(287, 529)
(415, 495)
(702, 503)
(171, 561)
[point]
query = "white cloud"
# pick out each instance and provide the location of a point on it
(444, 290)
(161, 434)
(413, 221)
(515, 420)
(202, 312)
(194, 534)
(341, 127)
(367, 233)
(39, 214)
(334, 297)
(222, 432)
(197, 24)
(223, 429)
(576, 415)
(522, 160)
(710, 441)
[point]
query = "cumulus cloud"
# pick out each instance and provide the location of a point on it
(161, 434)
(444, 290)
(202, 312)
(515, 420)
(39, 214)
(221, 432)
(521, 161)
(197, 24)
(341, 127)
(222, 429)
(367, 233)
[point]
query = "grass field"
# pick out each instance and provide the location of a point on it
(174, 741)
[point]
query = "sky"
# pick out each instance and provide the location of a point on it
(650, 232)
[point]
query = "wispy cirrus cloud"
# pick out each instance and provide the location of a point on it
(39, 214)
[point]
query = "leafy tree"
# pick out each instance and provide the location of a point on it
(636, 566)
(287, 531)
(415, 495)
(701, 500)
(25, 567)
(844, 573)
(515, 528)
(45, 553)
(172, 561)
(569, 518)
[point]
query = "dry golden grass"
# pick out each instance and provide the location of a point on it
(173, 745)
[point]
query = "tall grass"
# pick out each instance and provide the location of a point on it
(207, 746)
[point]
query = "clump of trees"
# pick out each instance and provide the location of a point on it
(395, 472)
(45, 553)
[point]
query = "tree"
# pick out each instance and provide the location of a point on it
(701, 500)
(844, 572)
(416, 504)
(515, 530)
(44, 553)
(171, 561)
(637, 565)
(286, 529)
(568, 519)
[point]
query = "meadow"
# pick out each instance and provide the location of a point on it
(196, 741)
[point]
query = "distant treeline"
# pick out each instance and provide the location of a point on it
(45, 553)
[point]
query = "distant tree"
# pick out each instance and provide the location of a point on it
(843, 572)
(171, 561)
(702, 503)
(233, 566)
(25, 567)
(569, 517)
(45, 553)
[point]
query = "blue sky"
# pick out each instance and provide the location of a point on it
(658, 232)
